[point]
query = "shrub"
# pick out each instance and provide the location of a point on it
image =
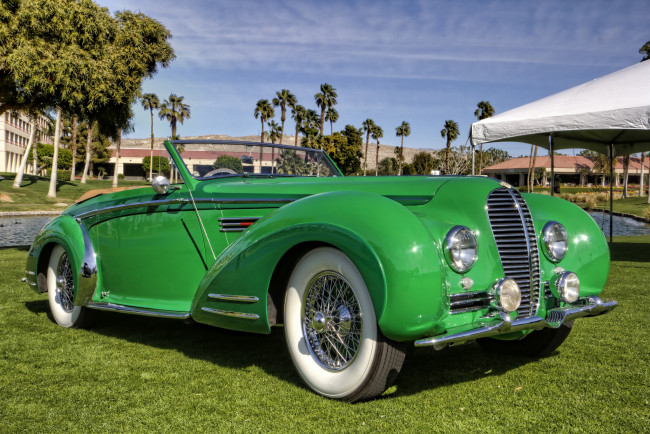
(590, 201)
(62, 175)
(120, 176)
(647, 214)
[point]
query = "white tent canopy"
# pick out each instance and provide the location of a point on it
(610, 110)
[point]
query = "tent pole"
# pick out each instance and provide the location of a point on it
(550, 151)
(473, 155)
(611, 191)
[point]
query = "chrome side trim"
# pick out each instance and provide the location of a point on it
(181, 200)
(468, 302)
(236, 224)
(87, 272)
(555, 318)
(139, 311)
(235, 298)
(239, 315)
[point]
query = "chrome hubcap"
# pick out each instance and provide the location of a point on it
(332, 321)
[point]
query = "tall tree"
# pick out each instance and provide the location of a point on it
(450, 131)
(377, 133)
(404, 130)
(367, 127)
(284, 99)
(309, 128)
(484, 111)
(645, 51)
(150, 102)
(73, 146)
(264, 111)
(298, 115)
(33, 118)
(174, 110)
(275, 132)
(324, 99)
(331, 116)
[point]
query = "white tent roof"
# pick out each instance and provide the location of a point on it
(610, 109)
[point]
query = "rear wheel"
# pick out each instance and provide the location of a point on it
(539, 343)
(60, 290)
(331, 329)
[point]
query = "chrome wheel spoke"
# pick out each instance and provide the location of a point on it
(65, 284)
(332, 321)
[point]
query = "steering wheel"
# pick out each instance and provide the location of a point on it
(220, 171)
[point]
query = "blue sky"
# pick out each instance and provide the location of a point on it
(417, 61)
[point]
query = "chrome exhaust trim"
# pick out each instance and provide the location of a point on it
(554, 319)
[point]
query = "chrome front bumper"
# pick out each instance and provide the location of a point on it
(555, 318)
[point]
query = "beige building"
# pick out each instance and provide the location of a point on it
(15, 129)
(576, 170)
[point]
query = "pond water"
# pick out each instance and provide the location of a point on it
(20, 231)
(622, 225)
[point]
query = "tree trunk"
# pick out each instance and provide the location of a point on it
(117, 156)
(35, 158)
(377, 160)
(480, 159)
(282, 119)
(89, 144)
(55, 156)
(173, 122)
(626, 170)
(262, 135)
(151, 157)
(641, 179)
(322, 119)
(447, 149)
(400, 157)
(365, 159)
(532, 170)
(23, 163)
(73, 144)
(296, 138)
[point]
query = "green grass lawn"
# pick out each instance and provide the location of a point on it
(131, 373)
(32, 195)
(632, 205)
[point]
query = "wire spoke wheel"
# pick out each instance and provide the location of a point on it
(332, 321)
(65, 283)
(61, 290)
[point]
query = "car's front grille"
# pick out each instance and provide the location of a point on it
(514, 234)
(468, 302)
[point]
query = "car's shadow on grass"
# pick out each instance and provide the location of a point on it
(424, 368)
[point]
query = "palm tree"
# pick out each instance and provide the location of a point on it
(324, 99)
(284, 99)
(367, 126)
(484, 111)
(645, 50)
(275, 132)
(377, 133)
(150, 102)
(450, 131)
(264, 111)
(332, 116)
(298, 115)
(404, 130)
(174, 110)
(310, 127)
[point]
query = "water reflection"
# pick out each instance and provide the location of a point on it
(20, 231)
(622, 225)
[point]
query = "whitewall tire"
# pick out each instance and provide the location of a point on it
(331, 329)
(60, 290)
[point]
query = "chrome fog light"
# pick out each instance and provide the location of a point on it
(461, 248)
(556, 241)
(507, 295)
(568, 285)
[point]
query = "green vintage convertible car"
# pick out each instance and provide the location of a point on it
(254, 235)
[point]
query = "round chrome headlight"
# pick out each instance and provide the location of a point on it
(568, 285)
(461, 248)
(507, 294)
(556, 241)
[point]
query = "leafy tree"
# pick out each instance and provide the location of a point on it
(408, 169)
(150, 102)
(264, 111)
(389, 166)
(367, 127)
(331, 116)
(298, 114)
(33, 116)
(404, 130)
(284, 99)
(645, 51)
(45, 157)
(484, 111)
(494, 156)
(309, 128)
(423, 163)
(160, 164)
(377, 133)
(290, 163)
(325, 99)
(229, 162)
(450, 131)
(275, 132)
(347, 150)
(174, 110)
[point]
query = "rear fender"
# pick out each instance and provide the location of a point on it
(392, 250)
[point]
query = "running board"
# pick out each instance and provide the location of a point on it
(139, 311)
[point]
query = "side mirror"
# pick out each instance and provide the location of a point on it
(160, 185)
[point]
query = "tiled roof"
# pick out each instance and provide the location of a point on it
(577, 162)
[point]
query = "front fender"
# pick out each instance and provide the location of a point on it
(391, 248)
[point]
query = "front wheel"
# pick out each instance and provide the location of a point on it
(60, 290)
(331, 329)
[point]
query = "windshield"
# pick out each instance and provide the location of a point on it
(212, 159)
